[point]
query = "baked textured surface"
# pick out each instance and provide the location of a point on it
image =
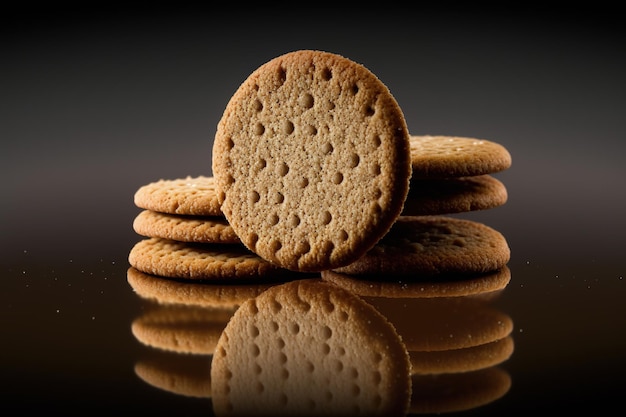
(169, 258)
(454, 195)
(456, 156)
(421, 246)
(184, 228)
(189, 195)
(311, 160)
(309, 348)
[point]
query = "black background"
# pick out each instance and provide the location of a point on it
(95, 103)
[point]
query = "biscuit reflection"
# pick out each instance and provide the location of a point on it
(282, 358)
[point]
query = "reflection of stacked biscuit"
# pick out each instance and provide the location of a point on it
(455, 347)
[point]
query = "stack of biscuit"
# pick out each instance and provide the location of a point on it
(315, 176)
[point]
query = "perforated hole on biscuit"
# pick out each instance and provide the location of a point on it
(281, 75)
(288, 127)
(306, 100)
(326, 74)
(259, 129)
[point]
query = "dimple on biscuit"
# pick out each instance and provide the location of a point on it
(311, 160)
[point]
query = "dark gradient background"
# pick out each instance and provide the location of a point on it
(96, 103)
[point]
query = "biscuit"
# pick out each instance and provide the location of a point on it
(181, 329)
(311, 160)
(166, 291)
(418, 246)
(199, 229)
(454, 195)
(186, 375)
(447, 393)
(462, 360)
(454, 156)
(196, 261)
(190, 195)
(480, 285)
(443, 324)
(309, 348)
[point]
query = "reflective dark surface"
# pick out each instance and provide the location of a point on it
(94, 105)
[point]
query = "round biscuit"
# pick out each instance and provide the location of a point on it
(454, 195)
(309, 348)
(197, 261)
(454, 156)
(311, 160)
(190, 195)
(184, 228)
(418, 246)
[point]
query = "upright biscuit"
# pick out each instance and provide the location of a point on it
(421, 246)
(190, 195)
(184, 228)
(454, 156)
(311, 160)
(454, 195)
(309, 348)
(172, 259)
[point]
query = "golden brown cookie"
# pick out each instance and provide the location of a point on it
(164, 290)
(433, 286)
(418, 246)
(196, 261)
(187, 375)
(454, 156)
(309, 348)
(199, 229)
(462, 360)
(447, 393)
(311, 160)
(454, 195)
(181, 329)
(190, 195)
